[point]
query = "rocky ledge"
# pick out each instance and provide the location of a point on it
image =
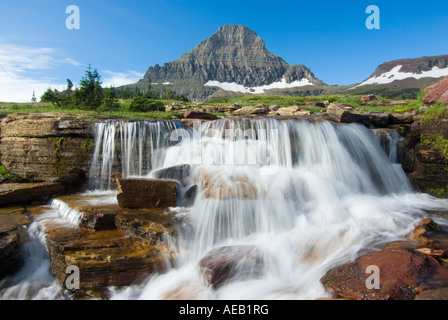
(43, 146)
(112, 246)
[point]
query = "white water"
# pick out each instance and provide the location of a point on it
(309, 196)
(319, 195)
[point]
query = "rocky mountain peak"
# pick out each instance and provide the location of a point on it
(230, 37)
(234, 54)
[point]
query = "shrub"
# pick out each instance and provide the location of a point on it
(145, 105)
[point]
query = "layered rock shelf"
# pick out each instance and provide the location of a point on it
(111, 247)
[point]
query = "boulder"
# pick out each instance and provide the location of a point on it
(11, 193)
(199, 115)
(223, 265)
(251, 110)
(147, 193)
(274, 108)
(436, 92)
(407, 269)
(344, 113)
(368, 98)
(222, 187)
(292, 111)
(402, 275)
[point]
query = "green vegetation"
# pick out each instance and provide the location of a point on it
(90, 96)
(10, 176)
(434, 112)
(440, 192)
(283, 101)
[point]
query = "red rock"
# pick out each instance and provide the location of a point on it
(439, 91)
(370, 97)
(199, 115)
(403, 274)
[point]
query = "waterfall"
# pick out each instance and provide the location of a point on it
(304, 195)
(307, 195)
(129, 147)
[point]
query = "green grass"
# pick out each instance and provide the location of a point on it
(283, 101)
(436, 111)
(10, 176)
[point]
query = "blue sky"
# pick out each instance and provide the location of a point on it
(123, 38)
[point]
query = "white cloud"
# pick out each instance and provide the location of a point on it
(116, 79)
(19, 66)
(72, 62)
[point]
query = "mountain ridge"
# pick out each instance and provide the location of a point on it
(234, 61)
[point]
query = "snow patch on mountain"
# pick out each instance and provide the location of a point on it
(395, 74)
(232, 86)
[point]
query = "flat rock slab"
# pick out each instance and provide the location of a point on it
(104, 258)
(11, 193)
(12, 217)
(102, 212)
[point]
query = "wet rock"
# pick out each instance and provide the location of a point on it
(74, 181)
(190, 196)
(223, 265)
(104, 258)
(147, 193)
(436, 92)
(199, 115)
(22, 192)
(100, 213)
(344, 113)
(402, 275)
(219, 186)
(180, 173)
(12, 219)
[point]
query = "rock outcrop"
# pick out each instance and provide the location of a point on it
(437, 92)
(16, 193)
(12, 219)
(112, 246)
(44, 146)
(421, 153)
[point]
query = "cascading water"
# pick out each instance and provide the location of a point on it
(306, 196)
(139, 148)
(34, 280)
